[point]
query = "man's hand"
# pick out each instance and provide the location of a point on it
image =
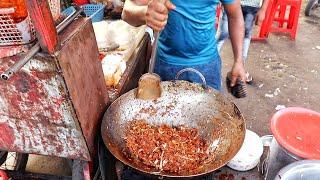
(157, 13)
(237, 71)
(236, 32)
(261, 14)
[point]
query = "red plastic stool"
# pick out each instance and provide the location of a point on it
(81, 2)
(279, 13)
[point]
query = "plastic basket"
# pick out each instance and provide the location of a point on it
(94, 11)
(9, 32)
(67, 12)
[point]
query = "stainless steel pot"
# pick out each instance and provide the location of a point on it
(300, 170)
(278, 158)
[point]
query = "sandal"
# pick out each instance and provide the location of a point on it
(249, 78)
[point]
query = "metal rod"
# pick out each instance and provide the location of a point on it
(69, 19)
(18, 65)
(36, 48)
(153, 53)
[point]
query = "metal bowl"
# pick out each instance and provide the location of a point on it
(300, 170)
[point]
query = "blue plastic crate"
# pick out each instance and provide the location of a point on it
(67, 12)
(94, 11)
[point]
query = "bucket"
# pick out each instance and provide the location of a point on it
(278, 158)
(296, 137)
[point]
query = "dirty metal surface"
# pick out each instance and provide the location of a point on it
(36, 114)
(82, 71)
(218, 120)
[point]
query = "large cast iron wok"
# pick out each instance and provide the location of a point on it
(181, 103)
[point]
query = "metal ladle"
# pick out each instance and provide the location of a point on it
(149, 83)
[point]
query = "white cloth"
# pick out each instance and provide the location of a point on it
(251, 3)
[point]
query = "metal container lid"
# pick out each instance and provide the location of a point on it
(300, 170)
(297, 130)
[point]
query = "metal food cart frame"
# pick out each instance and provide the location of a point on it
(53, 105)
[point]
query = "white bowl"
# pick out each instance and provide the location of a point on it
(249, 154)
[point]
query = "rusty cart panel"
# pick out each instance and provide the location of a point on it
(41, 108)
(36, 114)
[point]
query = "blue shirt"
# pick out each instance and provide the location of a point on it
(189, 36)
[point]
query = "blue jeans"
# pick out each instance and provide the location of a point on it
(211, 71)
(249, 15)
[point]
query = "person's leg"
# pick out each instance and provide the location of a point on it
(249, 15)
(224, 32)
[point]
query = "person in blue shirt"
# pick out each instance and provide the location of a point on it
(187, 36)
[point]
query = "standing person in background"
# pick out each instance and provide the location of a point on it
(252, 11)
(187, 38)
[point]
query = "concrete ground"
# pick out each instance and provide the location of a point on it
(286, 73)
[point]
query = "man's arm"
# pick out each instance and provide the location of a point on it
(261, 14)
(236, 33)
(134, 12)
(154, 13)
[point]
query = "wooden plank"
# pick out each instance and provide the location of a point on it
(84, 78)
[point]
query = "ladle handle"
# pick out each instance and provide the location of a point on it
(204, 82)
(153, 53)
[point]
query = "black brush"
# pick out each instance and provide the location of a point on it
(239, 90)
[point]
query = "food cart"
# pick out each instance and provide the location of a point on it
(53, 104)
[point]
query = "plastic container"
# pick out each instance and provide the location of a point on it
(93, 11)
(67, 12)
(20, 9)
(296, 137)
(249, 154)
(16, 27)
(12, 33)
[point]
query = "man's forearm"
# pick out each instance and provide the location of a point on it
(236, 28)
(236, 32)
(134, 13)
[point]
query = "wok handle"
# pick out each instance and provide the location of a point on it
(204, 82)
